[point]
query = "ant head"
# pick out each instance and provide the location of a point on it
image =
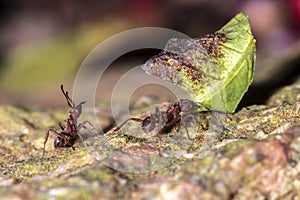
(148, 124)
(59, 142)
(79, 106)
(75, 112)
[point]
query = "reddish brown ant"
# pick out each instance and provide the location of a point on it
(176, 113)
(69, 133)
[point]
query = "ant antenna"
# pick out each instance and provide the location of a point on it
(66, 94)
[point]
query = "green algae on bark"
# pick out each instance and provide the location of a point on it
(265, 169)
(259, 122)
(255, 154)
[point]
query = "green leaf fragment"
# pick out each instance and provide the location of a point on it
(214, 69)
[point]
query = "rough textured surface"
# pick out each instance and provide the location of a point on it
(253, 155)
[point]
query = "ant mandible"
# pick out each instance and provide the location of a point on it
(69, 133)
(177, 112)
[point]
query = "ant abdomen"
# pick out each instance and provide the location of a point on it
(59, 143)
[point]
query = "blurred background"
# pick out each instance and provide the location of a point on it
(43, 43)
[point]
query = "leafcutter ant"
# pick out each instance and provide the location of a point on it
(69, 133)
(177, 113)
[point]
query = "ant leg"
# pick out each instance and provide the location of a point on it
(161, 118)
(197, 121)
(162, 126)
(61, 125)
(132, 119)
(188, 135)
(193, 116)
(46, 139)
(83, 125)
(111, 135)
(160, 148)
(90, 128)
(190, 116)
